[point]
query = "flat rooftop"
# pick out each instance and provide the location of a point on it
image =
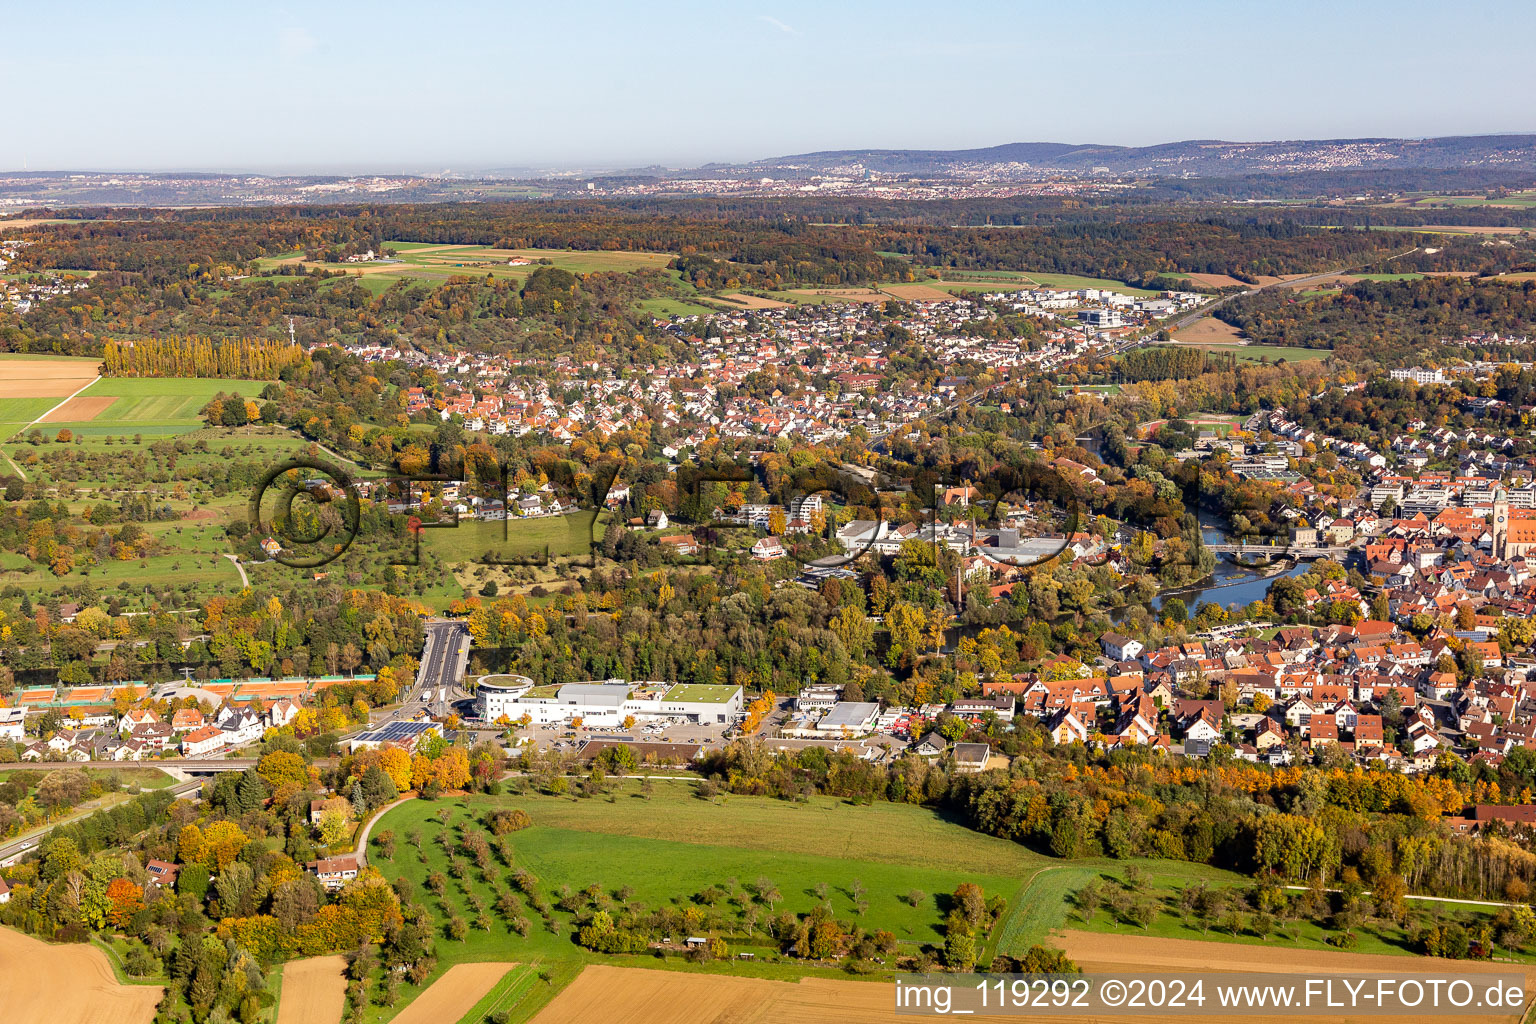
(701, 693)
(395, 732)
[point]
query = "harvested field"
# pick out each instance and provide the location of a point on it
(453, 995)
(1095, 951)
(1217, 281)
(1209, 331)
(917, 292)
(45, 378)
(314, 991)
(752, 301)
(67, 984)
(844, 294)
(632, 995)
(1321, 282)
(1477, 229)
(79, 409)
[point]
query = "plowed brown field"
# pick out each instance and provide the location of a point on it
(314, 991)
(454, 994)
(44, 378)
(66, 984)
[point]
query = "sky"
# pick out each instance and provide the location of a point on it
(467, 85)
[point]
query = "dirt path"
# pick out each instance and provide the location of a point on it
(245, 580)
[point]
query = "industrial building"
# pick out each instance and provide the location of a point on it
(608, 703)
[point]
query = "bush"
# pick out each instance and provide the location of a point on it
(513, 820)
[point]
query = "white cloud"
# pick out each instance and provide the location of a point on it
(294, 43)
(776, 23)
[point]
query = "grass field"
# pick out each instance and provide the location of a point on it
(888, 849)
(524, 538)
(154, 405)
(625, 842)
(434, 263)
(1255, 353)
(674, 307)
(16, 413)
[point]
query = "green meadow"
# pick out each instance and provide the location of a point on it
(155, 405)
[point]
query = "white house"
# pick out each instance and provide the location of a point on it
(1120, 648)
(202, 742)
(283, 712)
(12, 723)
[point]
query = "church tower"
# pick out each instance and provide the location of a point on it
(1500, 526)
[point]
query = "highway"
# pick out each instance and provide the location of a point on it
(443, 660)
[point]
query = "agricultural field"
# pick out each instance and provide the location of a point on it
(68, 984)
(314, 991)
(96, 468)
(435, 263)
(1209, 331)
(32, 384)
(1148, 954)
(149, 405)
(741, 300)
(900, 859)
(700, 850)
(1295, 930)
(454, 994)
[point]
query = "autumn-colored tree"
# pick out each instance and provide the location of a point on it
(127, 899)
(190, 845)
(280, 766)
(452, 769)
(396, 763)
(222, 843)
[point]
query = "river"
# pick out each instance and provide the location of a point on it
(1230, 583)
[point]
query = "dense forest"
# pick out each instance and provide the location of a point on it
(1391, 319)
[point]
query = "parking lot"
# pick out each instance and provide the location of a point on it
(565, 739)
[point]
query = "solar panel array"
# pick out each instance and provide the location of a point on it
(394, 732)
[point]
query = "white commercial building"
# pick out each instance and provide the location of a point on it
(609, 703)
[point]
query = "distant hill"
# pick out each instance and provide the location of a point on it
(1200, 157)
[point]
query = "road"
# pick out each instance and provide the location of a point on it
(442, 670)
(1180, 322)
(12, 852)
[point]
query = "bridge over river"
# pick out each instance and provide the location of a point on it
(1300, 551)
